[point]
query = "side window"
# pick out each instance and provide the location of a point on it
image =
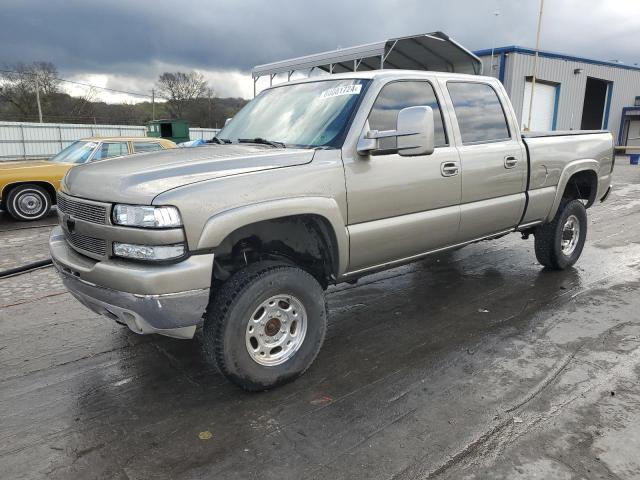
(111, 149)
(140, 147)
(479, 112)
(398, 95)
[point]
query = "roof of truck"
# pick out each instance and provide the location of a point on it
(374, 74)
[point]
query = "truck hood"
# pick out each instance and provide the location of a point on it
(140, 178)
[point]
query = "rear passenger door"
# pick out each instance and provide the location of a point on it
(493, 160)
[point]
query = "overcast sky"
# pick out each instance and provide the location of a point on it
(125, 44)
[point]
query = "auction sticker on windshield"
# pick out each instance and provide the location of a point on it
(343, 90)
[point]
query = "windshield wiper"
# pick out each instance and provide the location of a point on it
(262, 141)
(221, 141)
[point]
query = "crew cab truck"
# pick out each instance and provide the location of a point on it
(316, 182)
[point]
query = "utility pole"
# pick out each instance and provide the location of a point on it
(535, 66)
(153, 104)
(496, 14)
(38, 97)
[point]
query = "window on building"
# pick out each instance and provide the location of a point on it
(479, 112)
(398, 95)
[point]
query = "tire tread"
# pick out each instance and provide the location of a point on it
(219, 309)
(545, 238)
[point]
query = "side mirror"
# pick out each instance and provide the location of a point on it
(420, 121)
(226, 122)
(414, 131)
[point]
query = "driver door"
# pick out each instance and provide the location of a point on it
(400, 207)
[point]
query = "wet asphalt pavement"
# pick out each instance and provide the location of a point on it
(472, 364)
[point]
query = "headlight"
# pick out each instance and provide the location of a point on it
(148, 252)
(146, 216)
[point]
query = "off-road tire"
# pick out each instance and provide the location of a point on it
(41, 198)
(548, 237)
(232, 306)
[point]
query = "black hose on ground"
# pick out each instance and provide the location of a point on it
(25, 268)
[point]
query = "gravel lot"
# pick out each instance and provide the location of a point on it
(472, 364)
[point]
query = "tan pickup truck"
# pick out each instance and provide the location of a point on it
(316, 182)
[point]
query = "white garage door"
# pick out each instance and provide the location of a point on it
(544, 103)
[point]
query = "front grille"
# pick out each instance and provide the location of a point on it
(97, 246)
(89, 212)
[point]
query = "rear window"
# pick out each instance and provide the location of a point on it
(479, 112)
(139, 147)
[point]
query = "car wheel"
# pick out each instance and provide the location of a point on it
(28, 202)
(559, 244)
(266, 325)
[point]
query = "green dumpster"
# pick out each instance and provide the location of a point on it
(174, 130)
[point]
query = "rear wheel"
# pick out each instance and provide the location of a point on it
(28, 202)
(559, 244)
(266, 325)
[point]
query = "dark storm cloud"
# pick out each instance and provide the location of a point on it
(112, 36)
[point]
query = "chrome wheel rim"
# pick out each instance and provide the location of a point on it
(276, 330)
(30, 203)
(570, 235)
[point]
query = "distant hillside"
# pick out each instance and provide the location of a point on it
(63, 108)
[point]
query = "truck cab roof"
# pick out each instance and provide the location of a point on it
(390, 74)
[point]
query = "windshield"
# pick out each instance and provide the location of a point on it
(77, 152)
(306, 115)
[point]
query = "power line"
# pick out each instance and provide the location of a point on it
(138, 94)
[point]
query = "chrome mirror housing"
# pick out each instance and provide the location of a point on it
(417, 125)
(414, 132)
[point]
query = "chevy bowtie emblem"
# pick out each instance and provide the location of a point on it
(69, 222)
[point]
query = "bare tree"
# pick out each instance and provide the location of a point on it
(22, 83)
(179, 88)
(84, 106)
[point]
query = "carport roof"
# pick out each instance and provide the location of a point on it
(434, 51)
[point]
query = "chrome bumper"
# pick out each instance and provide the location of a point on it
(174, 314)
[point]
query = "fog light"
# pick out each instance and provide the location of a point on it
(148, 252)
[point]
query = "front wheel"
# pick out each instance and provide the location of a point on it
(266, 325)
(559, 244)
(28, 202)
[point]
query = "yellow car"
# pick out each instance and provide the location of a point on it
(28, 188)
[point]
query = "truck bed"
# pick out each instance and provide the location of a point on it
(560, 133)
(549, 154)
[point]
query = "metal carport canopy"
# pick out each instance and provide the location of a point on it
(428, 51)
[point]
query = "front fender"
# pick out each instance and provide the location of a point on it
(222, 224)
(568, 171)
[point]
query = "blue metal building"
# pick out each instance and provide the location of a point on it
(571, 92)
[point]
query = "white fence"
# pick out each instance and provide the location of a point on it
(202, 133)
(22, 140)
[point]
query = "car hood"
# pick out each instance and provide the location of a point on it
(32, 166)
(140, 178)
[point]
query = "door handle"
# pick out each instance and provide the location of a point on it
(449, 169)
(510, 162)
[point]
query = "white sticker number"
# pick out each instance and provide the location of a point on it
(343, 90)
